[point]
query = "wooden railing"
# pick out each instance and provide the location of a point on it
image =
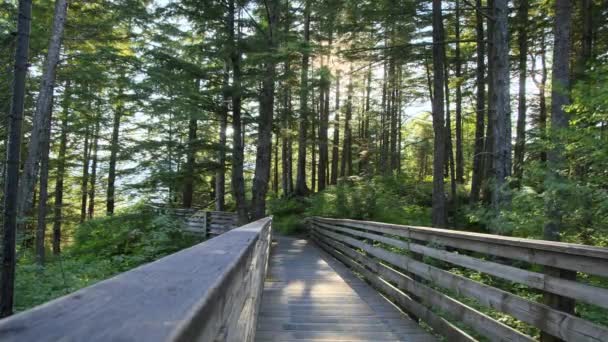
(421, 270)
(209, 292)
(202, 222)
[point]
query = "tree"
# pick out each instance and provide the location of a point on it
(264, 143)
(439, 209)
(556, 164)
(11, 184)
(501, 102)
(238, 181)
(41, 120)
(477, 177)
(522, 17)
(301, 187)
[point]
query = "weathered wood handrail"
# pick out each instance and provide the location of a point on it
(371, 249)
(209, 292)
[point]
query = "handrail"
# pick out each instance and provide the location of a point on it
(396, 260)
(209, 292)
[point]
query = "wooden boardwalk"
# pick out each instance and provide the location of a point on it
(309, 296)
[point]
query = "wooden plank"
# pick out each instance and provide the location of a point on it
(557, 323)
(482, 323)
(572, 289)
(304, 297)
(439, 324)
(161, 301)
(580, 258)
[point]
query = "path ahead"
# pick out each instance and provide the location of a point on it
(309, 296)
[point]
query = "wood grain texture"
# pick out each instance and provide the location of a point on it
(580, 258)
(355, 246)
(307, 297)
(187, 296)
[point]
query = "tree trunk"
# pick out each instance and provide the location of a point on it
(346, 166)
(556, 163)
(301, 187)
(13, 152)
(477, 177)
(520, 141)
(275, 181)
(85, 173)
(238, 180)
(323, 126)
(502, 113)
(393, 115)
(63, 140)
(264, 145)
(220, 174)
(458, 67)
(313, 162)
(93, 177)
(110, 200)
(448, 134)
(41, 117)
(439, 209)
(335, 152)
(586, 52)
(542, 101)
(42, 202)
(488, 149)
(286, 148)
(188, 190)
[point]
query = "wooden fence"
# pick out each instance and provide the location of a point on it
(202, 222)
(209, 292)
(423, 270)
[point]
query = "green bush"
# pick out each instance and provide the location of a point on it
(102, 248)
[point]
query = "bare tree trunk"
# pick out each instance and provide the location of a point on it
(85, 174)
(58, 205)
(477, 176)
(448, 135)
(43, 109)
(313, 162)
(301, 187)
(238, 180)
(91, 211)
(488, 149)
(346, 167)
(542, 101)
(556, 162)
(110, 200)
(42, 202)
(458, 62)
(275, 181)
(439, 208)
(264, 146)
(323, 126)
(13, 152)
(286, 148)
(502, 115)
(188, 190)
(220, 174)
(520, 141)
(335, 152)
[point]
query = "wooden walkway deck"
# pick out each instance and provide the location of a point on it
(309, 296)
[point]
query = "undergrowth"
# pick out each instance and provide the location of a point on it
(101, 248)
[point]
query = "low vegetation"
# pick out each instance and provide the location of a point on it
(101, 248)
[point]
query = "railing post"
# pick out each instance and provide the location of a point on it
(205, 224)
(558, 302)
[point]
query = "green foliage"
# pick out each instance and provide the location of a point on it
(102, 248)
(131, 238)
(392, 200)
(288, 214)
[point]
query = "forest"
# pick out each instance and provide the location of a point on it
(477, 115)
